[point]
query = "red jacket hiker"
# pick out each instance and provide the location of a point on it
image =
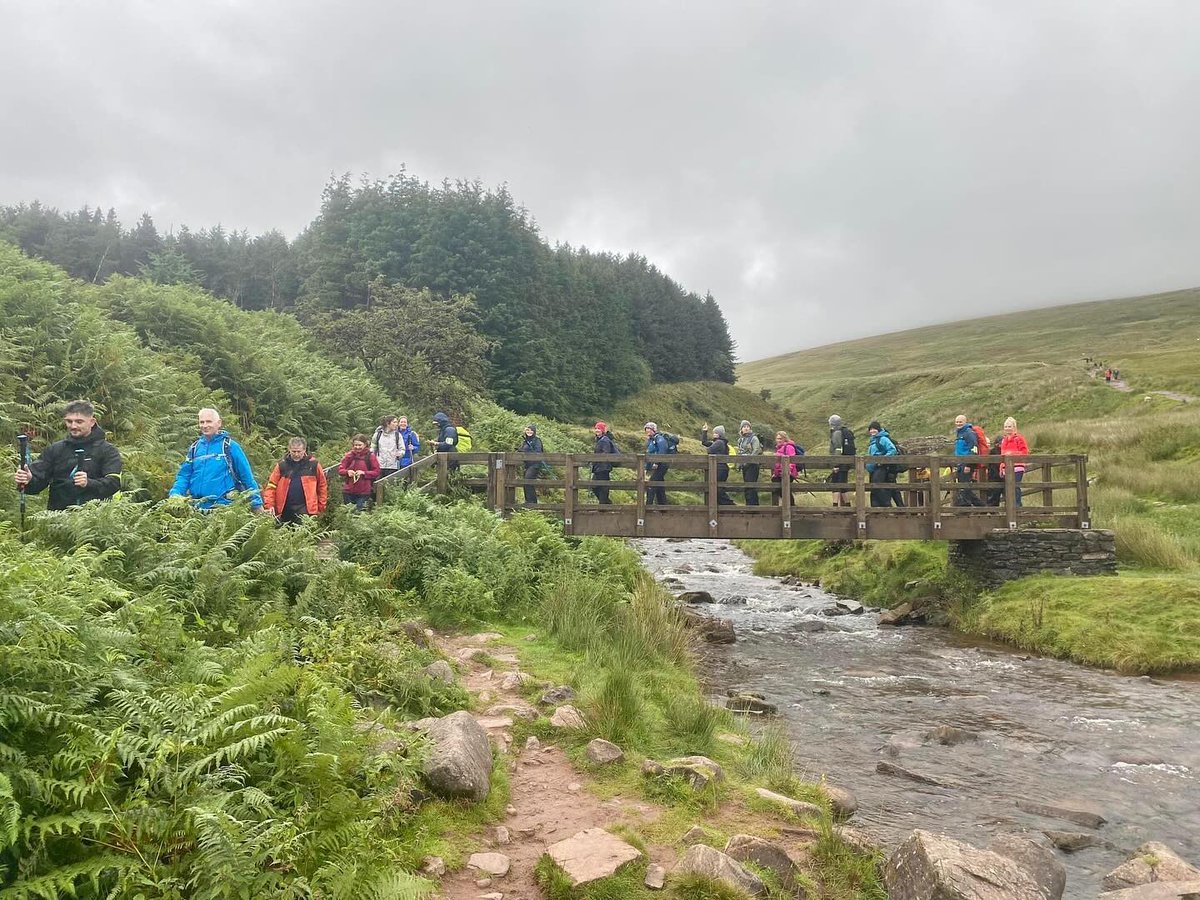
(363, 461)
(1014, 445)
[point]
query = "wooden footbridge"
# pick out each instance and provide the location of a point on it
(1054, 490)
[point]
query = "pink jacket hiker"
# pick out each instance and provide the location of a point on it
(787, 449)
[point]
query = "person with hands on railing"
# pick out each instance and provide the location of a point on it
(82, 467)
(532, 444)
(359, 470)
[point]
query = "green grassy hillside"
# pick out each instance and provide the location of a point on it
(1143, 448)
(1028, 364)
(684, 407)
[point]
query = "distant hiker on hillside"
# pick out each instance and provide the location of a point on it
(748, 444)
(718, 446)
(215, 469)
(1014, 444)
(389, 446)
(656, 445)
(882, 472)
(412, 441)
(841, 443)
(359, 470)
(785, 448)
(1108, 376)
(602, 471)
(533, 468)
(1116, 374)
(297, 487)
(966, 443)
(81, 467)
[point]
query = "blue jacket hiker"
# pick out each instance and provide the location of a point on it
(412, 442)
(656, 444)
(215, 469)
(965, 444)
(883, 473)
(881, 444)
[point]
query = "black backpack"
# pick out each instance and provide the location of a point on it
(672, 441)
(848, 448)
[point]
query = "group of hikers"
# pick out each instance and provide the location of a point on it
(969, 441)
(215, 470)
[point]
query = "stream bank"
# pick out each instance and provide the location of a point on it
(860, 703)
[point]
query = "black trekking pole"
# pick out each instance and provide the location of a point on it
(79, 455)
(23, 465)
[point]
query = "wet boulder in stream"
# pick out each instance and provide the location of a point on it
(1151, 862)
(691, 598)
(934, 867)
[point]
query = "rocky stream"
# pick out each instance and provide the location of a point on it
(936, 731)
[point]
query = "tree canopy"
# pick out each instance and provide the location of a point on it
(561, 331)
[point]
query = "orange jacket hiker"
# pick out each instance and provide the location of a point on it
(312, 479)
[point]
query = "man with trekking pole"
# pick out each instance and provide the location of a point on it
(82, 467)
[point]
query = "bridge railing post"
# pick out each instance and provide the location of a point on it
(499, 474)
(1010, 494)
(860, 491)
(1083, 513)
(785, 493)
(569, 496)
(1047, 493)
(443, 473)
(935, 493)
(710, 495)
(640, 524)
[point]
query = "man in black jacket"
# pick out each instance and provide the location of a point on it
(75, 477)
(602, 471)
(718, 446)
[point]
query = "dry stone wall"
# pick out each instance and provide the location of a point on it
(1007, 555)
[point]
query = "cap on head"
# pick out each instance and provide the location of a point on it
(835, 421)
(719, 430)
(600, 426)
(745, 424)
(650, 426)
(531, 427)
(875, 426)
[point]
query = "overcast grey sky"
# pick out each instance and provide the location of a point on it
(828, 170)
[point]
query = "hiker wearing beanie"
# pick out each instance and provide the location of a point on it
(533, 468)
(841, 443)
(748, 444)
(718, 446)
(602, 471)
(882, 473)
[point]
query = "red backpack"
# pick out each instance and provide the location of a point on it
(981, 442)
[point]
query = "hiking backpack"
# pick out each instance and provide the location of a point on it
(671, 440)
(464, 440)
(225, 442)
(848, 448)
(981, 442)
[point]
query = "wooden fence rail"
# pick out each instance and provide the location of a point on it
(807, 506)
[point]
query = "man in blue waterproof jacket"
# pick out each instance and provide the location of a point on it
(215, 469)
